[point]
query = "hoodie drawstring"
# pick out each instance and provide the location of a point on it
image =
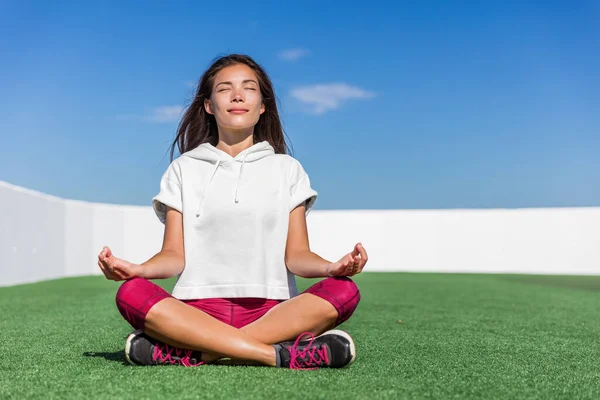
(237, 198)
(237, 188)
(206, 187)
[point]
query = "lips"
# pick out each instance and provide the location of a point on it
(238, 110)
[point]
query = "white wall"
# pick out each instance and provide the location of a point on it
(45, 237)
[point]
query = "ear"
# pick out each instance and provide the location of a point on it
(208, 106)
(262, 108)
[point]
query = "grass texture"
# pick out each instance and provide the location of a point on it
(418, 336)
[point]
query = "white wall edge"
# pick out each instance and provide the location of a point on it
(549, 241)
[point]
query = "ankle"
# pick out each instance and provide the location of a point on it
(273, 359)
(209, 358)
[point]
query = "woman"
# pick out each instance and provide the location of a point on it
(234, 206)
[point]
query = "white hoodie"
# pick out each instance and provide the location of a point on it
(235, 220)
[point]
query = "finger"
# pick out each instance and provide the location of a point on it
(357, 264)
(363, 257)
(363, 253)
(356, 268)
(345, 262)
(106, 273)
(104, 255)
(349, 270)
(102, 268)
(106, 260)
(106, 263)
(361, 263)
(355, 251)
(111, 273)
(109, 265)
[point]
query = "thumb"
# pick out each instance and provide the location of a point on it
(355, 251)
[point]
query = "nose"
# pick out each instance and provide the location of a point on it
(237, 97)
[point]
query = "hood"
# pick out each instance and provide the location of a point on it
(208, 153)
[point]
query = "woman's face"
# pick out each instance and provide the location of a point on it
(235, 101)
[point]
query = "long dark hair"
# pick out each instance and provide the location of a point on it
(197, 126)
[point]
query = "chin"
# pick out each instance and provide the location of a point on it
(239, 126)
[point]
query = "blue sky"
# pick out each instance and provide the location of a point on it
(420, 105)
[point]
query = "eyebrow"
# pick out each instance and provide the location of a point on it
(230, 83)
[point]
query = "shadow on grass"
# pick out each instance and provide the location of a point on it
(117, 356)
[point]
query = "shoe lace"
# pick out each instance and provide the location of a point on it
(165, 354)
(308, 357)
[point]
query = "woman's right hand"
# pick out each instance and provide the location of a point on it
(116, 269)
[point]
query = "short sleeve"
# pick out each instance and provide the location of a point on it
(169, 194)
(300, 191)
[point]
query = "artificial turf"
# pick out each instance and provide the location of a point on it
(460, 336)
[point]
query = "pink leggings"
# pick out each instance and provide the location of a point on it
(136, 296)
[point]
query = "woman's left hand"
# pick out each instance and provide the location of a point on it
(351, 264)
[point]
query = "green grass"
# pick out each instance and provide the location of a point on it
(460, 336)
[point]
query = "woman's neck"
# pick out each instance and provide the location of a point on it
(234, 143)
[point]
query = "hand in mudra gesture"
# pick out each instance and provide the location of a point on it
(351, 264)
(116, 269)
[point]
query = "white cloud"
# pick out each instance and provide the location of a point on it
(293, 54)
(328, 96)
(165, 114)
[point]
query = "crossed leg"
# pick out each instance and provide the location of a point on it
(180, 325)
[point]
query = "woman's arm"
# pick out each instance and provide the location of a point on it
(300, 260)
(167, 263)
(170, 261)
(163, 265)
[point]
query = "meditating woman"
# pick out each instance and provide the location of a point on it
(234, 207)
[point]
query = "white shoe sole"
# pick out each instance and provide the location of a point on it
(128, 344)
(349, 338)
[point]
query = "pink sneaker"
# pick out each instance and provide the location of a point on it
(332, 349)
(141, 349)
